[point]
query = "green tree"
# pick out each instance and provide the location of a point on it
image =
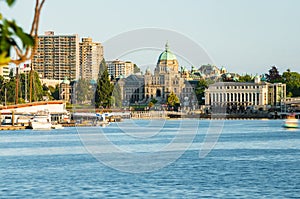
(116, 94)
(2, 89)
(245, 78)
(82, 90)
(273, 76)
(200, 91)
(37, 91)
(154, 101)
(292, 81)
(102, 67)
(54, 92)
(136, 69)
(10, 87)
(104, 90)
(173, 99)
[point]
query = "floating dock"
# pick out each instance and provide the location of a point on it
(5, 128)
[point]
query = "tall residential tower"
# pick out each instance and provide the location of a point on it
(57, 56)
(90, 57)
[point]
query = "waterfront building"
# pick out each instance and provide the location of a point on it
(4, 72)
(258, 94)
(90, 57)
(277, 94)
(118, 68)
(57, 56)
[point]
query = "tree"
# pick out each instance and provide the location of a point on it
(82, 90)
(136, 69)
(173, 100)
(154, 101)
(104, 89)
(54, 91)
(292, 81)
(245, 78)
(37, 91)
(2, 89)
(116, 95)
(11, 34)
(273, 76)
(10, 88)
(200, 91)
(102, 67)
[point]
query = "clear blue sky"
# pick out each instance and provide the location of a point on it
(242, 35)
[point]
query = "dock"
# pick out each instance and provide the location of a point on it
(5, 128)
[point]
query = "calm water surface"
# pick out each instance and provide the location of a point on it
(252, 159)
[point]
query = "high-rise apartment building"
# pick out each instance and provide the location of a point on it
(90, 57)
(119, 68)
(57, 56)
(4, 72)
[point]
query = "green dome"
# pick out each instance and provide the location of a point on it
(66, 81)
(166, 55)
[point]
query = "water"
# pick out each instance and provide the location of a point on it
(252, 159)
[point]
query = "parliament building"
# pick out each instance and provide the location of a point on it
(166, 78)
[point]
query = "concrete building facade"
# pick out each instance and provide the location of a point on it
(90, 57)
(4, 72)
(57, 56)
(118, 68)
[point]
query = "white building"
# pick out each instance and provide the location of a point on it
(119, 68)
(257, 94)
(4, 71)
(90, 57)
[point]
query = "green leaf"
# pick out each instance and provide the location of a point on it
(10, 2)
(27, 39)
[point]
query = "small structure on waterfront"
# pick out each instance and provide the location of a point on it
(16, 113)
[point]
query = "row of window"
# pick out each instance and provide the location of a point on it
(237, 87)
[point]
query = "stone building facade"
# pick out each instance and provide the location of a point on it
(165, 79)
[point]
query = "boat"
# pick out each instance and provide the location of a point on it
(57, 126)
(291, 121)
(40, 122)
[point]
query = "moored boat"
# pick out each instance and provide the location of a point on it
(40, 122)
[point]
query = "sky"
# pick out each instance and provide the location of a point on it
(245, 36)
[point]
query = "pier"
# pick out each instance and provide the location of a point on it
(5, 128)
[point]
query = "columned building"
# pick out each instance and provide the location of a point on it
(57, 56)
(257, 94)
(90, 57)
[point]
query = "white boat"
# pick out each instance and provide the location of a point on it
(291, 122)
(57, 126)
(40, 122)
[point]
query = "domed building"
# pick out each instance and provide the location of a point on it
(165, 79)
(167, 62)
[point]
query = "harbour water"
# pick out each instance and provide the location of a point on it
(251, 159)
